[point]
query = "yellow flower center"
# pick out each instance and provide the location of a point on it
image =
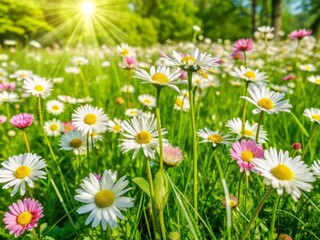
(125, 52)
(79, 61)
(75, 143)
(54, 127)
(233, 203)
(250, 74)
(55, 107)
(316, 117)
(247, 133)
(24, 218)
(282, 172)
(22, 172)
(22, 75)
(187, 59)
(266, 103)
(215, 138)
(247, 156)
(143, 137)
(307, 68)
(133, 112)
(104, 198)
(90, 119)
(198, 81)
(317, 81)
(117, 128)
(160, 78)
(179, 102)
(38, 88)
(146, 101)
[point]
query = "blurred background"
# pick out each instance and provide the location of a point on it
(145, 22)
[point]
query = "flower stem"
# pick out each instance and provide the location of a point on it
(162, 226)
(194, 139)
(256, 212)
(159, 127)
(309, 140)
(273, 219)
(8, 110)
(84, 83)
(259, 124)
(244, 110)
(26, 139)
(128, 86)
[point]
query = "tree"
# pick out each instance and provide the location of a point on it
(276, 18)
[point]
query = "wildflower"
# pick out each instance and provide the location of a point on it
(22, 74)
(103, 199)
(68, 127)
(34, 44)
(160, 77)
(23, 215)
(147, 100)
(288, 77)
(182, 103)
(267, 101)
(22, 120)
(284, 173)
(315, 167)
(313, 114)
(129, 62)
(2, 119)
(243, 152)
(296, 146)
(55, 107)
(127, 89)
(67, 99)
(72, 70)
(141, 133)
(88, 119)
(10, 42)
(119, 100)
(283, 236)
(125, 50)
(213, 137)
(307, 67)
(20, 170)
(234, 202)
(131, 112)
(249, 75)
(75, 141)
(265, 29)
(314, 79)
(53, 127)
(115, 125)
(39, 87)
(79, 61)
(299, 34)
(8, 97)
(172, 156)
(243, 45)
(196, 28)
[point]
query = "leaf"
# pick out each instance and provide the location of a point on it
(142, 184)
(304, 131)
(161, 192)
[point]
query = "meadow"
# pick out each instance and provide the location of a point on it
(242, 119)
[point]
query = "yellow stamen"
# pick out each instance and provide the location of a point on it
(250, 74)
(24, 218)
(55, 107)
(316, 117)
(104, 198)
(117, 128)
(179, 102)
(215, 138)
(187, 59)
(247, 156)
(75, 143)
(38, 88)
(266, 103)
(160, 78)
(143, 137)
(90, 119)
(22, 172)
(282, 172)
(146, 101)
(54, 127)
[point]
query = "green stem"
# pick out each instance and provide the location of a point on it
(259, 124)
(26, 139)
(273, 219)
(8, 110)
(88, 151)
(159, 127)
(34, 234)
(162, 226)
(309, 140)
(244, 110)
(84, 83)
(194, 139)
(153, 203)
(244, 59)
(256, 212)
(128, 86)
(246, 194)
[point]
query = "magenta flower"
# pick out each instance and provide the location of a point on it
(2, 119)
(22, 120)
(288, 77)
(299, 34)
(23, 215)
(237, 55)
(243, 152)
(183, 75)
(7, 86)
(243, 45)
(130, 62)
(172, 156)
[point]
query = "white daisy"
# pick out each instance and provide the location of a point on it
(267, 101)
(125, 50)
(75, 141)
(313, 114)
(314, 79)
(102, 198)
(67, 99)
(22, 74)
(53, 127)
(115, 125)
(249, 75)
(131, 112)
(90, 119)
(127, 89)
(39, 87)
(8, 97)
(214, 137)
(316, 168)
(147, 100)
(85, 100)
(141, 132)
(182, 103)
(55, 107)
(20, 170)
(284, 172)
(193, 62)
(265, 29)
(307, 67)
(160, 77)
(250, 131)
(79, 60)
(72, 70)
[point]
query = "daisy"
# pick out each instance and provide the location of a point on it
(53, 127)
(299, 34)
(55, 107)
(267, 101)
(68, 127)
(75, 141)
(103, 199)
(88, 119)
(307, 67)
(20, 170)
(34, 44)
(249, 75)
(23, 215)
(284, 173)
(147, 100)
(125, 50)
(67, 99)
(250, 131)
(182, 103)
(22, 120)
(72, 70)
(8, 97)
(141, 133)
(172, 156)
(160, 77)
(127, 89)
(131, 112)
(314, 79)
(22, 74)
(193, 62)
(243, 45)
(2, 119)
(129, 62)
(10, 42)
(313, 114)
(39, 87)
(266, 29)
(243, 152)
(79, 60)
(115, 125)
(214, 137)
(316, 168)
(85, 100)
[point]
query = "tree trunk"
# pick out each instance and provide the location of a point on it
(254, 16)
(264, 13)
(276, 18)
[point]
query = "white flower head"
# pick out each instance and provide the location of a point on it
(39, 87)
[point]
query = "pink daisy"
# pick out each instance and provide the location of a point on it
(243, 45)
(68, 127)
(299, 34)
(2, 119)
(22, 120)
(288, 77)
(243, 152)
(172, 156)
(23, 215)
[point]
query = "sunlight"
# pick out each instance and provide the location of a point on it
(87, 8)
